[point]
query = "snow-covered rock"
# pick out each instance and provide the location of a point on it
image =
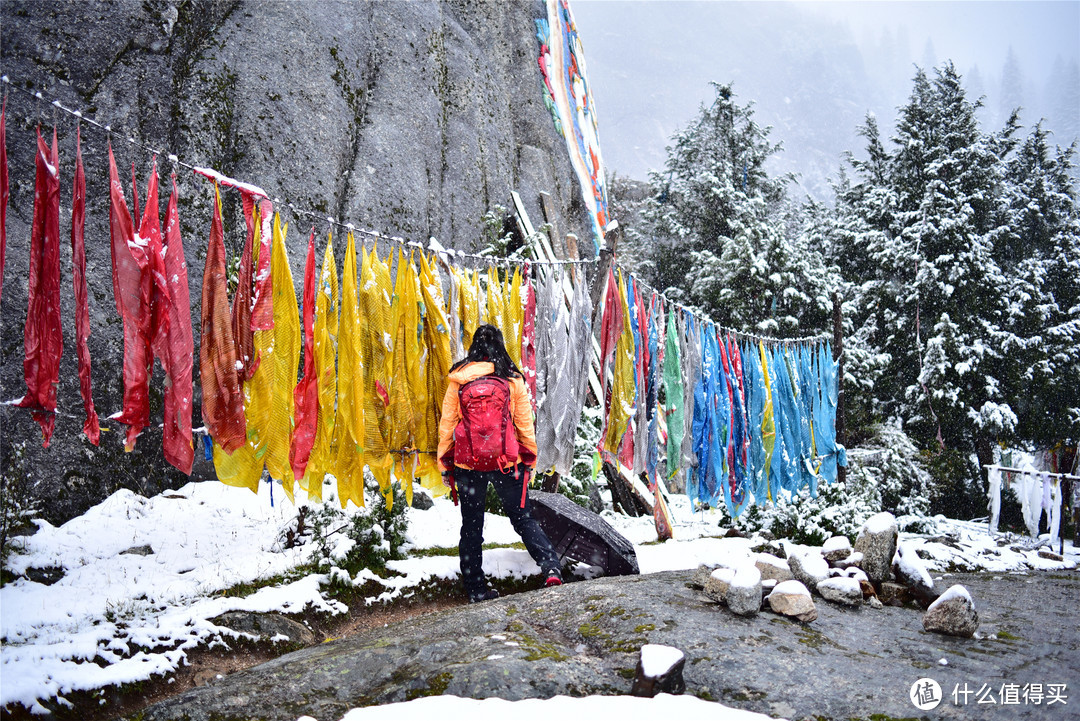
(855, 572)
(836, 549)
(717, 585)
(877, 542)
(659, 670)
(910, 571)
(841, 590)
(953, 614)
(773, 567)
(790, 598)
(744, 591)
(854, 559)
(810, 568)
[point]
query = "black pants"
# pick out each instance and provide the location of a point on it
(472, 494)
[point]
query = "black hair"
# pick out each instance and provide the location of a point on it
(487, 345)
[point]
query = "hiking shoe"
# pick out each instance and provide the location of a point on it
(485, 595)
(554, 578)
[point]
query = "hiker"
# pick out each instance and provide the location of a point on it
(486, 436)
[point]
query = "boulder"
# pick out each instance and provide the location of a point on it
(659, 670)
(836, 549)
(868, 590)
(953, 614)
(845, 591)
(744, 591)
(909, 570)
(877, 542)
(809, 568)
(717, 584)
(852, 560)
(773, 567)
(790, 598)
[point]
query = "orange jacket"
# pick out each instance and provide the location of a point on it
(520, 408)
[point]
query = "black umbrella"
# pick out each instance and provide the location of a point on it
(582, 535)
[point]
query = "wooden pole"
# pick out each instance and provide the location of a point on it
(838, 356)
(607, 256)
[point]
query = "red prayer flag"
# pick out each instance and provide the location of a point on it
(222, 399)
(82, 310)
(42, 335)
(177, 439)
(306, 394)
(132, 288)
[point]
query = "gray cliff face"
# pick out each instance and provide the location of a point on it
(409, 118)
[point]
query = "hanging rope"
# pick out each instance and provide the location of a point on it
(298, 212)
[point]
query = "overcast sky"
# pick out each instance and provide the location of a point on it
(813, 69)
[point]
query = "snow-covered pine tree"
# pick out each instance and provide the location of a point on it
(1040, 255)
(719, 227)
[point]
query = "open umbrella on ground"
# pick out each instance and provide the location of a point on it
(582, 535)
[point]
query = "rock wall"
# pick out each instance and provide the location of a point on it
(410, 118)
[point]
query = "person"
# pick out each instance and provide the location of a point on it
(487, 357)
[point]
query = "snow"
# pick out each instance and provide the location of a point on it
(880, 523)
(790, 588)
(956, 591)
(231, 182)
(115, 618)
(656, 659)
(836, 543)
(625, 708)
(746, 577)
(911, 565)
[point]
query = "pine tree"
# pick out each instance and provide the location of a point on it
(725, 239)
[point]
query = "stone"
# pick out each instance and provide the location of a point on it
(952, 614)
(744, 591)
(659, 670)
(45, 576)
(894, 594)
(790, 598)
(421, 501)
(836, 548)
(144, 550)
(717, 584)
(269, 627)
(853, 560)
(1050, 555)
(809, 568)
(868, 590)
(844, 591)
(760, 544)
(773, 567)
(875, 603)
(877, 542)
(909, 570)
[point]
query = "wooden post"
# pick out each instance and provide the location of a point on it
(607, 256)
(838, 356)
(547, 205)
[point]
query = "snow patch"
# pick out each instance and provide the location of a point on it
(656, 660)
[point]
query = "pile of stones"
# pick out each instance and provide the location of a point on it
(876, 571)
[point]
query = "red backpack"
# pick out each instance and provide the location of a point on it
(485, 439)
